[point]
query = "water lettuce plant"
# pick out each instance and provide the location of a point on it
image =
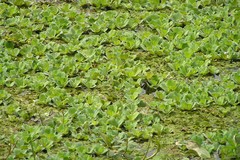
(140, 79)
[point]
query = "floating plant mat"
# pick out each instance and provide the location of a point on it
(119, 79)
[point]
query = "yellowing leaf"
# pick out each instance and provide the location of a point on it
(202, 152)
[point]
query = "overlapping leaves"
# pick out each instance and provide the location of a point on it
(103, 74)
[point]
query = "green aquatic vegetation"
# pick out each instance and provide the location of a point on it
(222, 143)
(4, 96)
(236, 77)
(60, 78)
(119, 79)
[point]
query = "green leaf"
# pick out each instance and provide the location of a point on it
(62, 129)
(133, 72)
(4, 95)
(133, 116)
(17, 2)
(122, 20)
(60, 78)
(165, 108)
(169, 85)
(12, 109)
(186, 105)
(99, 149)
(89, 83)
(133, 93)
(236, 77)
(75, 82)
